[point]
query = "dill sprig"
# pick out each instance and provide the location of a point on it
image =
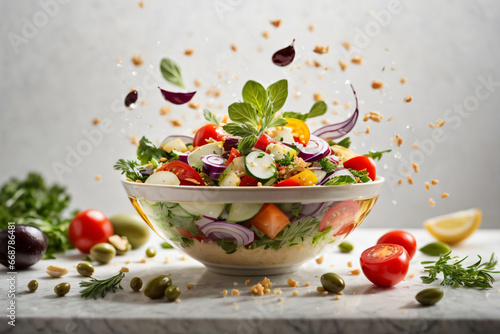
(477, 275)
(98, 288)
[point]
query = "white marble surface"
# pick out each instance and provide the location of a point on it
(363, 307)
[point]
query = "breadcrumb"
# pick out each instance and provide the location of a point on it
(266, 283)
(320, 259)
(343, 66)
(426, 185)
(137, 60)
(143, 261)
(144, 103)
(189, 286)
(321, 49)
(431, 126)
(124, 270)
(367, 131)
(295, 293)
(247, 282)
(357, 60)
(410, 179)
(311, 27)
(415, 167)
(235, 292)
(346, 45)
(265, 34)
(280, 300)
(377, 84)
(277, 291)
(411, 275)
(184, 258)
(197, 82)
(320, 289)
(166, 260)
(97, 177)
(434, 182)
(400, 182)
(440, 123)
(325, 293)
(335, 102)
(257, 289)
(347, 105)
(141, 4)
(235, 283)
(408, 99)
(318, 97)
(355, 272)
(403, 80)
(96, 121)
(234, 47)
(399, 140)
(307, 284)
(176, 122)
(292, 283)
(276, 23)
(188, 52)
(224, 293)
(316, 63)
(193, 105)
(415, 146)
(165, 110)
(431, 202)
(349, 264)
(134, 140)
(444, 195)
(337, 297)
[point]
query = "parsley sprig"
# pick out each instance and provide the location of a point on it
(98, 288)
(477, 275)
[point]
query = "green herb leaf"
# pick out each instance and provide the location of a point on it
(286, 161)
(277, 94)
(255, 94)
(229, 246)
(246, 144)
(98, 288)
(346, 142)
(166, 245)
(171, 72)
(296, 115)
(327, 165)
(319, 108)
(435, 249)
(340, 180)
(243, 112)
(240, 129)
(210, 116)
(376, 155)
(280, 121)
(148, 151)
(321, 236)
(131, 169)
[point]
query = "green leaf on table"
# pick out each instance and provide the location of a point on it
(255, 94)
(243, 112)
(171, 72)
(277, 94)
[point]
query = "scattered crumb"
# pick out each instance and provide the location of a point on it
(266, 291)
(234, 47)
(357, 60)
(97, 177)
(224, 293)
(391, 118)
(144, 103)
(354, 293)
(166, 260)
(415, 167)
(410, 179)
(374, 116)
(355, 272)
(400, 181)
(347, 105)
(408, 99)
(431, 126)
(235, 283)
(318, 97)
(257, 289)
(265, 34)
(266, 283)
(127, 262)
(316, 63)
(276, 23)
(118, 59)
(124, 270)
(431, 202)
(176, 122)
(427, 185)
(137, 60)
(325, 121)
(165, 110)
(247, 282)
(134, 140)
(193, 105)
(377, 84)
(184, 258)
(189, 286)
(295, 293)
(340, 293)
(444, 195)
(440, 123)
(399, 140)
(343, 66)
(143, 261)
(335, 102)
(307, 284)
(325, 293)
(337, 297)
(415, 146)
(434, 182)
(188, 52)
(320, 289)
(349, 264)
(411, 275)
(280, 300)
(321, 49)
(96, 121)
(197, 82)
(141, 4)
(320, 259)
(297, 95)
(346, 45)
(277, 291)
(292, 283)
(403, 80)
(235, 292)
(311, 27)
(367, 131)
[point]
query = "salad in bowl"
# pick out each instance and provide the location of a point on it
(257, 192)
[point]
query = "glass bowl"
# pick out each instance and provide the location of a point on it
(317, 218)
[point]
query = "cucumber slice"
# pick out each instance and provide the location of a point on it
(260, 165)
(213, 210)
(194, 158)
(163, 177)
(243, 211)
(180, 212)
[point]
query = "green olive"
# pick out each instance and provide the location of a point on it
(332, 282)
(103, 252)
(346, 247)
(136, 284)
(151, 252)
(33, 285)
(129, 247)
(156, 286)
(85, 269)
(61, 289)
(172, 293)
(430, 296)
(131, 226)
(435, 249)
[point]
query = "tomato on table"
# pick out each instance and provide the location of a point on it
(248, 181)
(401, 238)
(89, 228)
(264, 141)
(270, 220)
(300, 130)
(341, 217)
(208, 131)
(362, 162)
(385, 264)
(185, 173)
(234, 154)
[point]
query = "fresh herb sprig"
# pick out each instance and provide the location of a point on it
(319, 108)
(98, 288)
(477, 275)
(376, 155)
(346, 142)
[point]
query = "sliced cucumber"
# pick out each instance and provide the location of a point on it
(163, 177)
(213, 210)
(194, 158)
(180, 212)
(243, 211)
(260, 165)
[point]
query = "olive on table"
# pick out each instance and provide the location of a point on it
(151, 252)
(136, 284)
(346, 247)
(172, 293)
(131, 226)
(62, 289)
(33, 285)
(30, 245)
(85, 269)
(430, 296)
(156, 286)
(332, 282)
(103, 252)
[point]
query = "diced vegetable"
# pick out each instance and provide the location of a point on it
(162, 177)
(300, 130)
(195, 156)
(305, 178)
(260, 165)
(240, 212)
(264, 141)
(174, 144)
(270, 220)
(230, 180)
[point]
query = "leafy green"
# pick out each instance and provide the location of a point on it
(210, 116)
(228, 245)
(131, 169)
(243, 112)
(171, 72)
(477, 275)
(32, 202)
(286, 161)
(98, 288)
(319, 108)
(321, 236)
(246, 144)
(340, 180)
(255, 94)
(277, 94)
(240, 130)
(327, 165)
(376, 155)
(147, 151)
(346, 142)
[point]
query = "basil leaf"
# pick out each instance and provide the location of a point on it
(346, 142)
(246, 144)
(277, 122)
(243, 112)
(277, 93)
(255, 94)
(240, 130)
(210, 116)
(171, 72)
(318, 109)
(296, 115)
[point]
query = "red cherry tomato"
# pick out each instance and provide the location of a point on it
(362, 162)
(287, 183)
(89, 228)
(248, 181)
(185, 173)
(385, 264)
(340, 217)
(234, 154)
(263, 141)
(209, 131)
(401, 238)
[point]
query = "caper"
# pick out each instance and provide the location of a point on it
(156, 286)
(172, 293)
(131, 226)
(61, 289)
(346, 247)
(103, 252)
(151, 252)
(430, 296)
(332, 282)
(136, 284)
(129, 247)
(85, 269)
(33, 285)
(435, 249)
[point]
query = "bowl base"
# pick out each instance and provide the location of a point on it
(234, 270)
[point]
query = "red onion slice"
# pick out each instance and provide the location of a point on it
(223, 230)
(213, 165)
(315, 150)
(333, 158)
(183, 157)
(204, 220)
(338, 130)
(177, 98)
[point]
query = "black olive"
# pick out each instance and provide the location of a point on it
(27, 246)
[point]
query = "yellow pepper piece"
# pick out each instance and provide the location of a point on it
(306, 178)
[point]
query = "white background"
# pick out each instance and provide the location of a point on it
(59, 76)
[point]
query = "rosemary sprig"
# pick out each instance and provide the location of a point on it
(477, 275)
(98, 288)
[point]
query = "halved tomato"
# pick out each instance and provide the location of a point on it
(385, 264)
(340, 217)
(248, 181)
(300, 130)
(185, 173)
(209, 131)
(362, 162)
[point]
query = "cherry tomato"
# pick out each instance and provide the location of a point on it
(89, 228)
(385, 264)
(341, 217)
(263, 141)
(300, 130)
(185, 173)
(362, 162)
(234, 154)
(401, 238)
(209, 131)
(287, 183)
(248, 181)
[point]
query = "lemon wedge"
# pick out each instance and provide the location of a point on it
(454, 227)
